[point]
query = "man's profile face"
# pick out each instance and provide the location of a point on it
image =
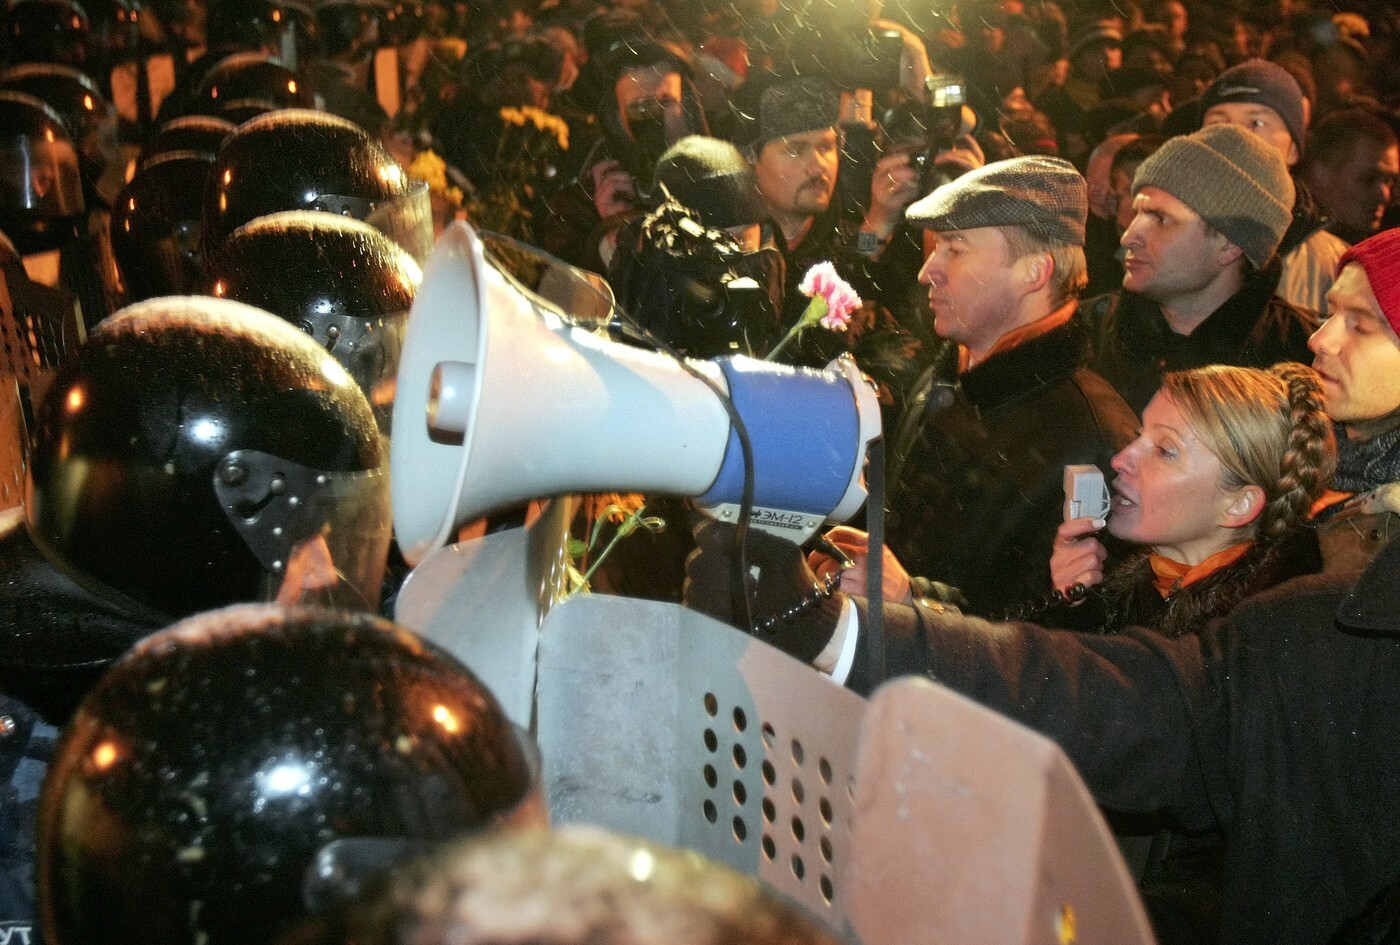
(1356, 192)
(1170, 250)
(797, 174)
(971, 285)
(1356, 352)
(1260, 120)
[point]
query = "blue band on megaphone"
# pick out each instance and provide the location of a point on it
(805, 434)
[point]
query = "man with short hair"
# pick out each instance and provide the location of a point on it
(1264, 99)
(1351, 166)
(1357, 354)
(977, 461)
(1199, 269)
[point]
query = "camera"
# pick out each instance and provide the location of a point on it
(646, 123)
(861, 58)
(696, 288)
(946, 95)
(923, 129)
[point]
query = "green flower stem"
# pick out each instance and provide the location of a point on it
(813, 313)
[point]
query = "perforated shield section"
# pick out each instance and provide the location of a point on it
(39, 329)
(660, 722)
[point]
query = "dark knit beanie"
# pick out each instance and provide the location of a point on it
(711, 178)
(1263, 83)
(775, 108)
(1046, 195)
(1233, 180)
(1379, 255)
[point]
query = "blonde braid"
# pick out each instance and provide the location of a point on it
(1310, 458)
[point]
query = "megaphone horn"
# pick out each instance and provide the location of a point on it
(500, 400)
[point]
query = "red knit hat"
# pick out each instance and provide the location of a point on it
(1380, 257)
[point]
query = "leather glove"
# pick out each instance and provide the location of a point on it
(791, 608)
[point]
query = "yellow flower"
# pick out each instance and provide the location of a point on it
(513, 116)
(431, 169)
(427, 166)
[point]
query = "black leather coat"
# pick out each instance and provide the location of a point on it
(1134, 346)
(977, 470)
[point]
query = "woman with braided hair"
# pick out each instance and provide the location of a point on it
(1216, 489)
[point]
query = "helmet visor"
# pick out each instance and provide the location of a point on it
(322, 537)
(39, 177)
(584, 296)
(407, 220)
(369, 349)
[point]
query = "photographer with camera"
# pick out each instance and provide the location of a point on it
(791, 130)
(695, 271)
(647, 105)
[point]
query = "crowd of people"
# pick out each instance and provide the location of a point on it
(1156, 238)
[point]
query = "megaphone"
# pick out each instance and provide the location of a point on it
(501, 399)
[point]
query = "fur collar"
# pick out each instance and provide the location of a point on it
(1131, 599)
(1041, 362)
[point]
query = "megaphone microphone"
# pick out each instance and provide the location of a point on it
(500, 400)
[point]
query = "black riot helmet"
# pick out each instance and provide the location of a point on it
(341, 281)
(155, 225)
(252, 766)
(202, 133)
(41, 186)
(91, 121)
(48, 31)
(116, 31)
(304, 160)
(402, 21)
(197, 452)
(246, 24)
(346, 26)
(251, 76)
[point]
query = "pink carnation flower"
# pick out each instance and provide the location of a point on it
(841, 300)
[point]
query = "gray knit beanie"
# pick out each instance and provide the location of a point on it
(711, 178)
(766, 108)
(1235, 181)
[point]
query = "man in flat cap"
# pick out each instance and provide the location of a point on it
(1199, 273)
(978, 459)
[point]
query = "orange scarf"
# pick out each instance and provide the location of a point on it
(1170, 576)
(1328, 499)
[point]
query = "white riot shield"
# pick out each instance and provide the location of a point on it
(660, 722)
(483, 600)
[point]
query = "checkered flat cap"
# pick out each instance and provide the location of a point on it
(1046, 195)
